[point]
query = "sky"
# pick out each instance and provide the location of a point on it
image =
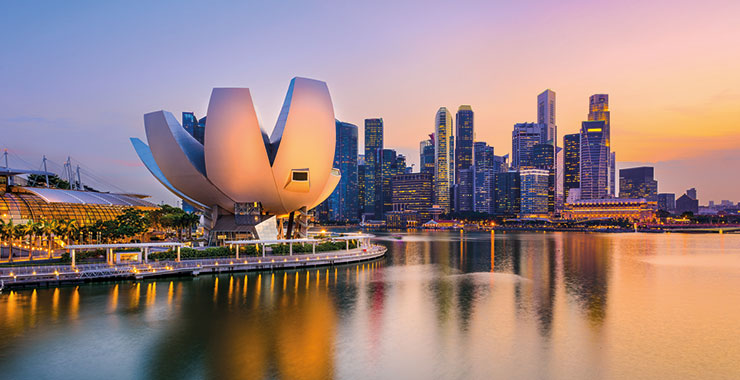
(77, 77)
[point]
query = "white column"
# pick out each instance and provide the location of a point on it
(72, 253)
(290, 248)
(146, 254)
(263, 249)
(314, 247)
(347, 241)
(178, 253)
(237, 251)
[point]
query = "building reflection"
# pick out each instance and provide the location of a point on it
(586, 273)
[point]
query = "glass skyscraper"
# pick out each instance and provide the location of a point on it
(444, 173)
(508, 193)
(343, 203)
(483, 178)
(546, 116)
(594, 160)
(535, 194)
(373, 143)
(543, 157)
(386, 169)
(195, 127)
(426, 155)
(523, 138)
(598, 110)
(571, 163)
(464, 134)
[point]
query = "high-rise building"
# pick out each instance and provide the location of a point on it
(464, 134)
(534, 185)
(667, 202)
(508, 193)
(546, 116)
(400, 164)
(543, 157)
(571, 163)
(638, 183)
(483, 178)
(343, 202)
(385, 166)
(195, 127)
(412, 192)
(594, 160)
(687, 203)
(426, 156)
(523, 138)
(373, 143)
(598, 110)
(360, 185)
(444, 172)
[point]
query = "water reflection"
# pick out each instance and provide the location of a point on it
(480, 305)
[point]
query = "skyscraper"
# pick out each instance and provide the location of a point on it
(667, 202)
(543, 158)
(386, 169)
(400, 164)
(508, 193)
(426, 155)
(343, 202)
(195, 127)
(483, 178)
(464, 134)
(546, 115)
(535, 194)
(373, 143)
(598, 110)
(594, 160)
(443, 152)
(638, 183)
(571, 163)
(523, 138)
(360, 185)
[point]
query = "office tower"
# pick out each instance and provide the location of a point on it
(546, 116)
(195, 127)
(523, 138)
(483, 178)
(508, 193)
(400, 164)
(373, 143)
(501, 163)
(638, 183)
(667, 202)
(559, 178)
(412, 192)
(594, 160)
(464, 158)
(343, 201)
(360, 185)
(543, 157)
(535, 190)
(571, 163)
(426, 156)
(692, 193)
(443, 153)
(598, 110)
(385, 171)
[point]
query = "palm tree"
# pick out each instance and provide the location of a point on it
(28, 229)
(5, 233)
(52, 228)
(17, 232)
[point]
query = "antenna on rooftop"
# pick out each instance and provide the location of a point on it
(46, 172)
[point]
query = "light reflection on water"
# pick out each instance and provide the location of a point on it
(440, 305)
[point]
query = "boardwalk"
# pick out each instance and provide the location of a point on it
(31, 276)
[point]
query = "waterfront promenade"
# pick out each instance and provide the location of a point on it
(53, 275)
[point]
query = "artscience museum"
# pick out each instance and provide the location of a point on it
(244, 180)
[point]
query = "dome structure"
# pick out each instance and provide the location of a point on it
(238, 163)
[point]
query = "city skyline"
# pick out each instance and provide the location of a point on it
(669, 78)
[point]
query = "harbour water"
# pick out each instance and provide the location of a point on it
(440, 305)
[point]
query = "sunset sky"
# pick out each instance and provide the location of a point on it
(77, 77)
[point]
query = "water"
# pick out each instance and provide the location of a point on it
(440, 305)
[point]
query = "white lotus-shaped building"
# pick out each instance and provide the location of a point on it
(239, 168)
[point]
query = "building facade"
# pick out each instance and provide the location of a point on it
(571, 163)
(598, 110)
(535, 191)
(543, 157)
(343, 203)
(667, 202)
(444, 172)
(373, 144)
(640, 210)
(546, 116)
(412, 200)
(464, 134)
(386, 169)
(426, 155)
(483, 178)
(594, 171)
(638, 183)
(507, 193)
(523, 138)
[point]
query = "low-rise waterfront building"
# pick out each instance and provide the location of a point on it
(640, 210)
